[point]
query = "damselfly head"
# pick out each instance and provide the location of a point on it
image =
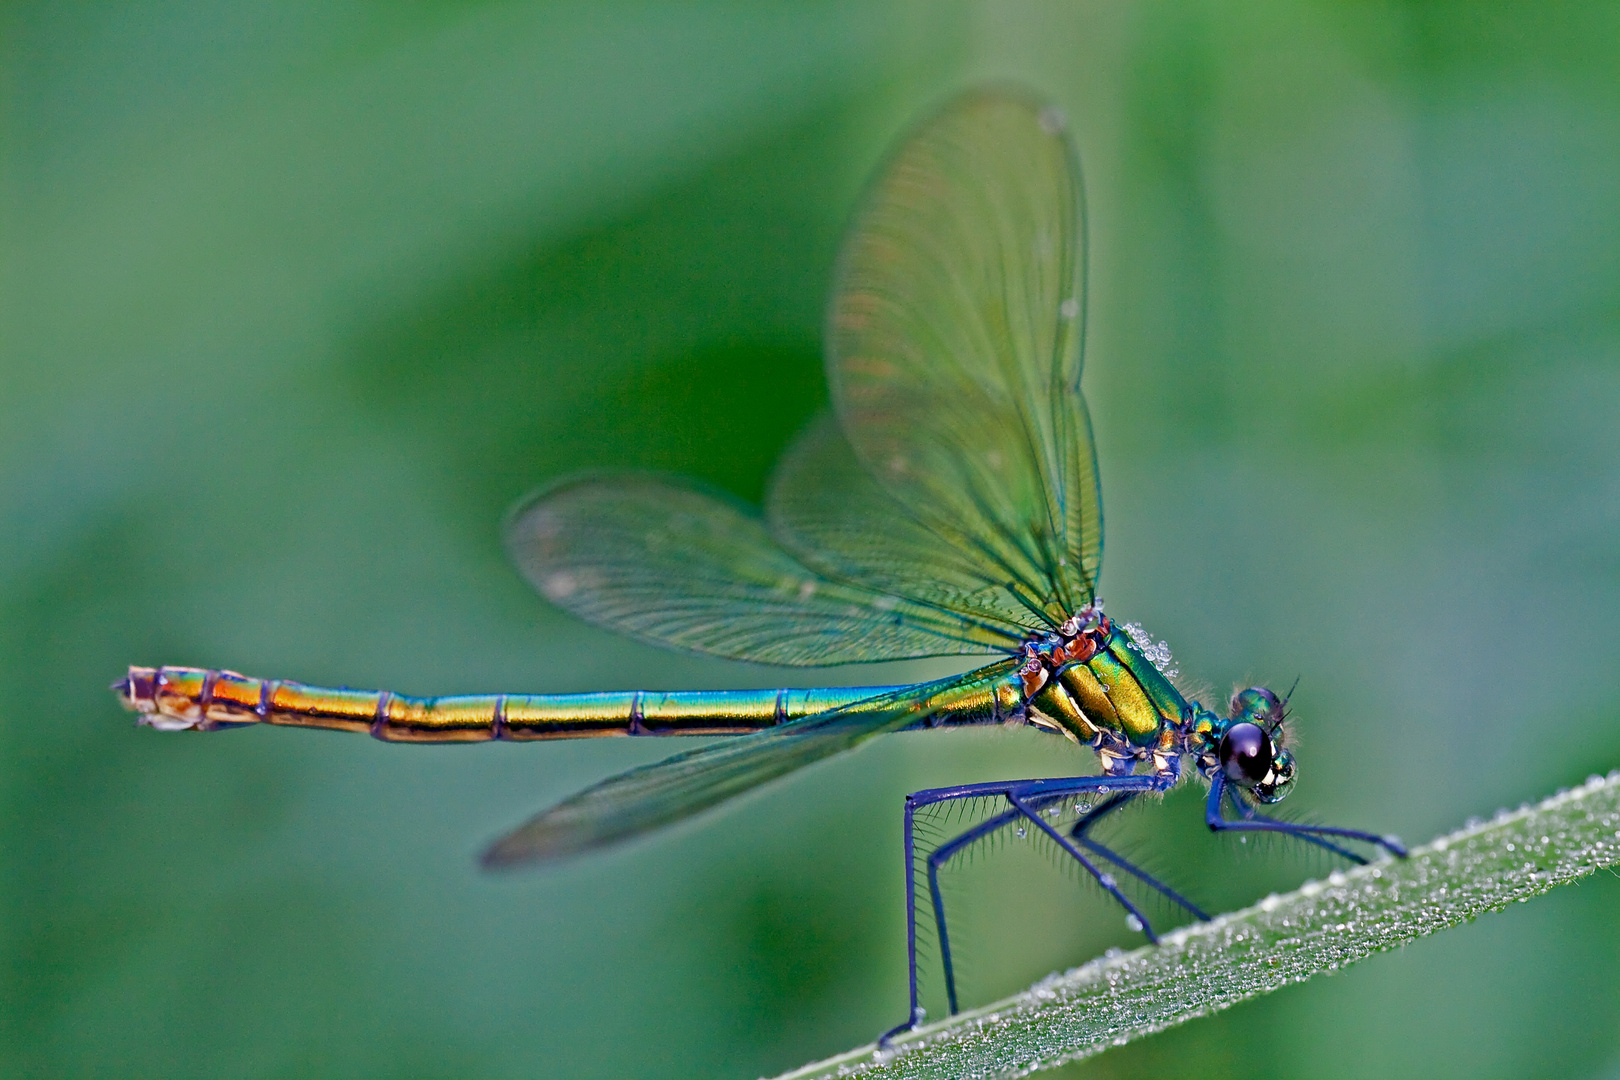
(1257, 705)
(1253, 760)
(1274, 787)
(1250, 749)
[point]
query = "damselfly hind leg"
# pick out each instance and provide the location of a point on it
(938, 858)
(1024, 798)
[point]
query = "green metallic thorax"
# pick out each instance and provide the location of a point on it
(1104, 693)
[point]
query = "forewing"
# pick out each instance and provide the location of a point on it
(955, 336)
(671, 790)
(672, 563)
(825, 508)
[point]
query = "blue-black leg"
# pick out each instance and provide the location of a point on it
(1249, 813)
(1017, 793)
(1107, 881)
(938, 858)
(1257, 822)
(1108, 806)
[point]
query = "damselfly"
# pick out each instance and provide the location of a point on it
(950, 507)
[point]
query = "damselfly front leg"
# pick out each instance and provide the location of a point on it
(1254, 821)
(1248, 813)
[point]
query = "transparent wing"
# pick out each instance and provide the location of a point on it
(955, 336)
(669, 562)
(671, 790)
(828, 511)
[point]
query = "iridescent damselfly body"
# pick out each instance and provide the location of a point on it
(950, 507)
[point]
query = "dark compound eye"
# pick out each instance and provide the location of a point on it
(1245, 753)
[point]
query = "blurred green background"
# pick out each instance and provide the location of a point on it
(299, 297)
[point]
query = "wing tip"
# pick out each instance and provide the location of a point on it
(533, 845)
(498, 857)
(512, 852)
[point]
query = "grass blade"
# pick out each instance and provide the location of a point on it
(1319, 927)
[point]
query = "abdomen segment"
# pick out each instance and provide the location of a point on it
(181, 698)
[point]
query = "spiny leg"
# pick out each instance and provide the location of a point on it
(1249, 813)
(1108, 806)
(1257, 822)
(914, 802)
(943, 854)
(1006, 789)
(1105, 880)
(938, 858)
